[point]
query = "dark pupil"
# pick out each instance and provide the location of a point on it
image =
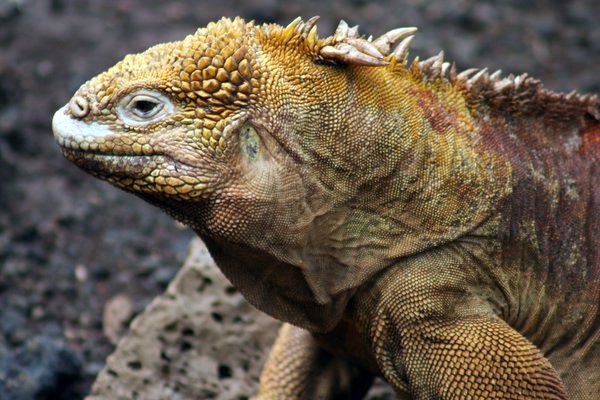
(144, 106)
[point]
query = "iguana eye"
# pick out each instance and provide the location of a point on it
(143, 107)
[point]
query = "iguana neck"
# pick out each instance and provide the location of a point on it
(405, 154)
(389, 161)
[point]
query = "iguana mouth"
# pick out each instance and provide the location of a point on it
(125, 158)
(119, 165)
(74, 151)
(141, 174)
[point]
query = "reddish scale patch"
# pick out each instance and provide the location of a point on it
(438, 116)
(467, 191)
(591, 139)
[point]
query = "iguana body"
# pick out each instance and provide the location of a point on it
(412, 223)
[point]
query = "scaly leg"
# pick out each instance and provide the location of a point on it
(434, 336)
(299, 369)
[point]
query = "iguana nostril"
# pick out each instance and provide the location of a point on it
(79, 107)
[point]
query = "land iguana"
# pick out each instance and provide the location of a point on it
(436, 228)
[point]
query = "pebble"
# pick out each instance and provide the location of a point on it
(116, 314)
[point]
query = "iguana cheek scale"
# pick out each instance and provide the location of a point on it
(436, 228)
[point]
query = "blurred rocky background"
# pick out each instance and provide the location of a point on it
(80, 259)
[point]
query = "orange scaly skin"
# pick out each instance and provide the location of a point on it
(407, 221)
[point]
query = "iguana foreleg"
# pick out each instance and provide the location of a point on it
(478, 357)
(437, 334)
(298, 369)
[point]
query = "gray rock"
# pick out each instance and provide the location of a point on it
(41, 369)
(199, 340)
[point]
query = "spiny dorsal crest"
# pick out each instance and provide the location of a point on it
(347, 46)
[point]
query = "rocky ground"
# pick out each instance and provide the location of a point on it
(80, 259)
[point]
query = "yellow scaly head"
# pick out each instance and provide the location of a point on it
(168, 106)
(173, 124)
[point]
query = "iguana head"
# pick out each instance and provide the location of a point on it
(182, 125)
(174, 124)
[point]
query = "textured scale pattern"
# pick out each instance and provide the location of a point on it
(433, 227)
